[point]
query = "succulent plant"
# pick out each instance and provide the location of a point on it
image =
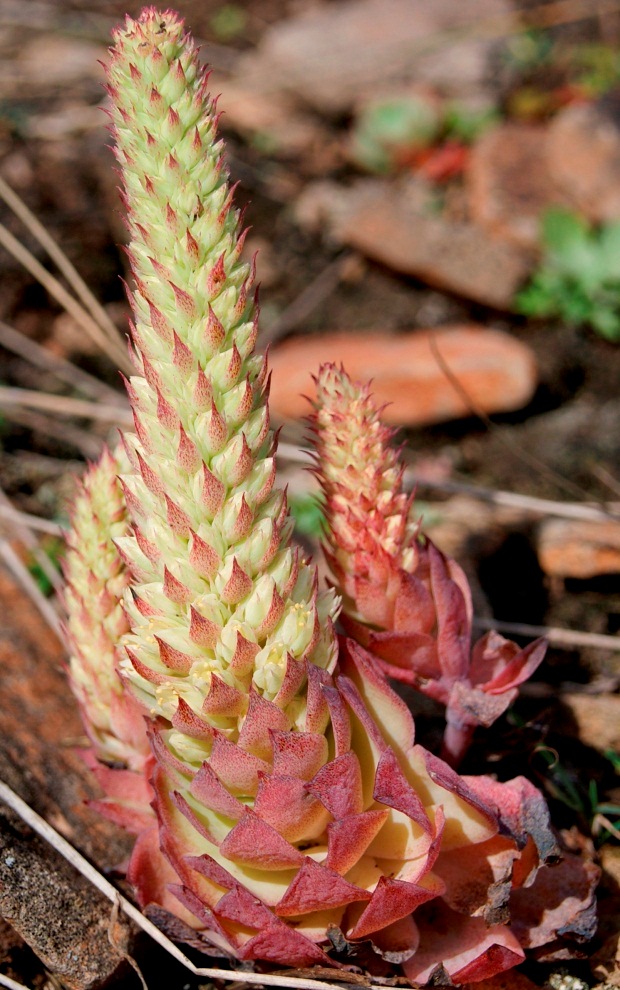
(295, 812)
(391, 131)
(402, 598)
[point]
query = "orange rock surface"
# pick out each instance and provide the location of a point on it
(497, 372)
(570, 548)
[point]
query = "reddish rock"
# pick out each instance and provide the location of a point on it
(583, 155)
(330, 54)
(598, 719)
(497, 371)
(569, 548)
(273, 117)
(393, 223)
(40, 731)
(509, 183)
(63, 919)
(58, 913)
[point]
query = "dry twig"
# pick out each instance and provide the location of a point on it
(88, 444)
(114, 349)
(513, 448)
(35, 523)
(42, 828)
(555, 636)
(306, 302)
(23, 533)
(528, 504)
(64, 405)
(63, 370)
(47, 242)
(6, 981)
(27, 582)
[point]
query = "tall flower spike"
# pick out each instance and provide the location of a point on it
(96, 582)
(402, 598)
(282, 805)
(221, 602)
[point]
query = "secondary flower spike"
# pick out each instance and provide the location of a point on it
(96, 582)
(402, 598)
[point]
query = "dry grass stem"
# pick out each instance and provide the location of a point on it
(6, 981)
(64, 405)
(26, 581)
(116, 908)
(89, 445)
(16, 342)
(607, 478)
(555, 636)
(514, 449)
(24, 534)
(34, 523)
(114, 349)
(306, 302)
(73, 277)
(528, 504)
(42, 828)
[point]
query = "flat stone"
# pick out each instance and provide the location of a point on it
(510, 185)
(497, 371)
(570, 548)
(56, 60)
(316, 54)
(58, 913)
(598, 719)
(40, 732)
(393, 223)
(583, 155)
(273, 118)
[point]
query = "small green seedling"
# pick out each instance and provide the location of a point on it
(307, 511)
(603, 817)
(579, 278)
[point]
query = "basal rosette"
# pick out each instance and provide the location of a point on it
(288, 837)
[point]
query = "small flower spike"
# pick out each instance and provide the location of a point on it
(97, 580)
(402, 598)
